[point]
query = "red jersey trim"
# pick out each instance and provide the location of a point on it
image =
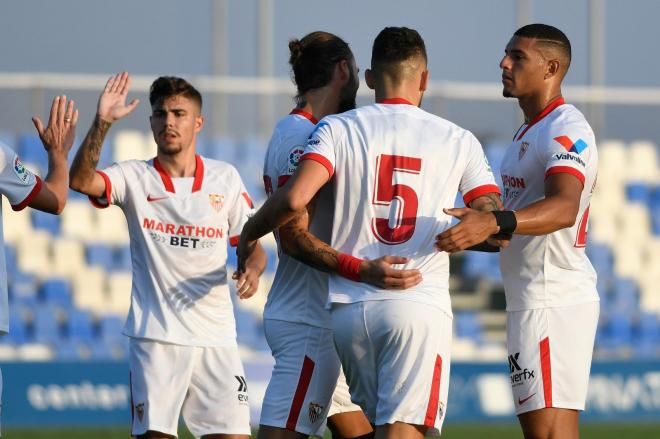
(481, 191)
(167, 180)
(547, 110)
(108, 191)
(567, 170)
(282, 179)
(199, 174)
(248, 200)
(233, 240)
(320, 159)
(33, 193)
(546, 371)
(434, 396)
(306, 115)
(395, 101)
(301, 391)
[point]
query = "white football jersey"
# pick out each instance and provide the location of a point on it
(179, 228)
(299, 292)
(20, 186)
(395, 168)
(549, 270)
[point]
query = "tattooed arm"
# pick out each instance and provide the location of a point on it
(297, 242)
(111, 107)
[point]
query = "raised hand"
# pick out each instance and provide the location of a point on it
(58, 136)
(475, 227)
(380, 273)
(112, 103)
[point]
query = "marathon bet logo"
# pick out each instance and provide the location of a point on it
(242, 389)
(518, 374)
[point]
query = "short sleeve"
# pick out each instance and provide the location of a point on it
(115, 187)
(478, 179)
(17, 182)
(320, 147)
(240, 210)
(567, 153)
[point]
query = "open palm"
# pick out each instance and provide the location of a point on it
(112, 103)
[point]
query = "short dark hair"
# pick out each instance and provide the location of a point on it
(548, 35)
(314, 57)
(168, 86)
(394, 45)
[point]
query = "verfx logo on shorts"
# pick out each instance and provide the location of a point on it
(518, 374)
(242, 389)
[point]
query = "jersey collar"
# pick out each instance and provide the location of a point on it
(306, 115)
(167, 180)
(395, 101)
(547, 110)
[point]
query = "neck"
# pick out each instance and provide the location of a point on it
(532, 105)
(181, 164)
(321, 102)
(405, 91)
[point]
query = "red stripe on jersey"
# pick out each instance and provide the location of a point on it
(306, 115)
(480, 191)
(320, 159)
(108, 192)
(199, 174)
(546, 371)
(248, 200)
(434, 397)
(233, 240)
(33, 193)
(565, 170)
(395, 101)
(167, 180)
(301, 391)
(547, 110)
(282, 179)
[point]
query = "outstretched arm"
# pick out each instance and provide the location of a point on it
(299, 243)
(111, 107)
(57, 139)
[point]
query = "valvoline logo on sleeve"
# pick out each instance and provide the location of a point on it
(577, 146)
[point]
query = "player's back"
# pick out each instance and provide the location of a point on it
(299, 292)
(395, 168)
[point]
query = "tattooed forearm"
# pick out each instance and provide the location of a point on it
(87, 157)
(300, 244)
(487, 202)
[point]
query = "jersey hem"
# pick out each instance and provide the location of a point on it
(33, 193)
(229, 343)
(549, 306)
(108, 192)
(346, 300)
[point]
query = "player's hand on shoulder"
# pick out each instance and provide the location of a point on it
(475, 227)
(380, 273)
(60, 132)
(247, 283)
(112, 103)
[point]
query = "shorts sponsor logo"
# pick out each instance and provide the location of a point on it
(315, 411)
(139, 411)
(518, 374)
(523, 150)
(242, 389)
(216, 201)
(21, 171)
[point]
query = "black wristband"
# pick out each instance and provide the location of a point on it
(506, 220)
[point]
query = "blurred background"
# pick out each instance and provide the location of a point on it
(65, 360)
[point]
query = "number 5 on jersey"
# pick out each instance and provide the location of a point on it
(402, 226)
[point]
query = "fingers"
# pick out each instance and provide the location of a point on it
(402, 283)
(54, 109)
(68, 114)
(246, 285)
(458, 212)
(38, 125)
(392, 260)
(111, 83)
(74, 120)
(126, 84)
(131, 106)
(61, 109)
(117, 84)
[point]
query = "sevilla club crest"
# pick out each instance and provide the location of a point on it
(523, 150)
(216, 201)
(315, 411)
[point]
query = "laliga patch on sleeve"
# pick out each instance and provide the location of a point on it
(294, 159)
(21, 171)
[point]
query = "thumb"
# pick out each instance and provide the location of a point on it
(395, 260)
(131, 105)
(458, 212)
(38, 125)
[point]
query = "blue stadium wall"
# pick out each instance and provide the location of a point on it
(97, 393)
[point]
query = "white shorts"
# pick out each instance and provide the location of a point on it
(396, 355)
(205, 384)
(304, 378)
(550, 352)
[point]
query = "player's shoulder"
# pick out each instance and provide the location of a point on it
(219, 166)
(568, 120)
(6, 153)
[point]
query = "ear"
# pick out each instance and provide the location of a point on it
(199, 123)
(552, 69)
(369, 78)
(424, 80)
(343, 70)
